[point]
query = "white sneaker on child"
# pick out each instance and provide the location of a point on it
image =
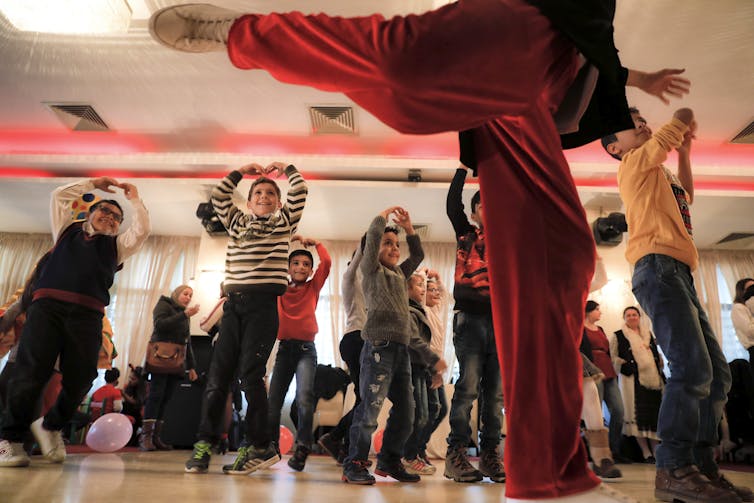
(13, 454)
(50, 442)
(600, 494)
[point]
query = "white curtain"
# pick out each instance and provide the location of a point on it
(145, 276)
(18, 255)
(734, 265)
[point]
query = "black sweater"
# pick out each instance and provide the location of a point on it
(172, 325)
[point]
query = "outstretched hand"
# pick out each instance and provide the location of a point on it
(105, 184)
(664, 83)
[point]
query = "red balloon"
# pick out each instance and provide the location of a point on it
(377, 440)
(286, 440)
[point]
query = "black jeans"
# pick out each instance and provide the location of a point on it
(350, 350)
(53, 329)
(161, 387)
(249, 328)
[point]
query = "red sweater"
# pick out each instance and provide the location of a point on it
(297, 305)
(601, 352)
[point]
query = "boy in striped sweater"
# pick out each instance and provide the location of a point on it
(256, 274)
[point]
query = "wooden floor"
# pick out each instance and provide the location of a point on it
(136, 477)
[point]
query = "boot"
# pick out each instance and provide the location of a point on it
(157, 439)
(146, 436)
(599, 450)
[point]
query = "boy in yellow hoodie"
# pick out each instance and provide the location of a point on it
(662, 250)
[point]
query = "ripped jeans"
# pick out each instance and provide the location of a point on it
(385, 372)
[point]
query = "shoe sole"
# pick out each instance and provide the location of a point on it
(194, 469)
(261, 466)
(21, 463)
(464, 480)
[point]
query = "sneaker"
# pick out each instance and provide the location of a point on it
(356, 472)
(491, 466)
(251, 459)
(50, 442)
(330, 445)
(298, 460)
(417, 466)
(458, 468)
(607, 471)
(199, 460)
(688, 484)
(13, 454)
(743, 492)
(396, 471)
(423, 457)
(193, 27)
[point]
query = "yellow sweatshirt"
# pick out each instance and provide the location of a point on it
(653, 214)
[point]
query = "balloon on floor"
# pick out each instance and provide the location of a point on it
(109, 433)
(286, 440)
(377, 440)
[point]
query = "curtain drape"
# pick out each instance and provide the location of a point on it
(18, 255)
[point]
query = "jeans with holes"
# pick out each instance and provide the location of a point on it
(385, 372)
(297, 358)
(695, 394)
(479, 373)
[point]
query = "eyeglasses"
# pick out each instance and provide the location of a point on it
(433, 290)
(108, 211)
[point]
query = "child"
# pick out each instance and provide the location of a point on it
(134, 396)
(385, 365)
(107, 398)
(474, 341)
(255, 276)
(297, 353)
(425, 364)
(662, 251)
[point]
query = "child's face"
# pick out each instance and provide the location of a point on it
(417, 288)
(632, 138)
(300, 268)
(106, 219)
(477, 216)
(264, 200)
(433, 294)
(390, 253)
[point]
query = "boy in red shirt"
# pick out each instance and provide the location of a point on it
(107, 398)
(297, 354)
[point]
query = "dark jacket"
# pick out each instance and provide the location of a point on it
(172, 325)
(418, 347)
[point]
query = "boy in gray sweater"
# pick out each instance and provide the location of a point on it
(385, 362)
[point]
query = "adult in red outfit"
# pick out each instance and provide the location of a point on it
(512, 74)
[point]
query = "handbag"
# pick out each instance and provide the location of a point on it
(165, 357)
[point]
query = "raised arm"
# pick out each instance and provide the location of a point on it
(296, 198)
(323, 269)
(130, 241)
(685, 175)
(416, 253)
(454, 203)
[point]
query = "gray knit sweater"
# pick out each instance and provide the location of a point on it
(385, 289)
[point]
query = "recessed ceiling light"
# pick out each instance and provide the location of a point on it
(82, 17)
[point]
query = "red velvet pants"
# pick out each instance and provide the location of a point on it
(497, 66)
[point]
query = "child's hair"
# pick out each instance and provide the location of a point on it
(611, 138)
(96, 205)
(389, 228)
(298, 252)
(417, 275)
(112, 375)
(259, 181)
(591, 306)
(475, 200)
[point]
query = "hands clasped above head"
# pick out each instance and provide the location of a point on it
(105, 183)
(274, 169)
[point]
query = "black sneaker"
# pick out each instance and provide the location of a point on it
(458, 468)
(199, 460)
(356, 472)
(251, 459)
(396, 471)
(330, 445)
(298, 460)
(491, 465)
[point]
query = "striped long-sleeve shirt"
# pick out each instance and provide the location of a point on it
(257, 253)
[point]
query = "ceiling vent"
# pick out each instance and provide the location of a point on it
(332, 120)
(78, 116)
(746, 135)
(736, 241)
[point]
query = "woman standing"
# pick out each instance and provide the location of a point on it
(741, 315)
(171, 324)
(641, 381)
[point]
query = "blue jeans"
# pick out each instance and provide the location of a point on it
(299, 358)
(421, 411)
(695, 394)
(437, 409)
(479, 372)
(610, 393)
(385, 372)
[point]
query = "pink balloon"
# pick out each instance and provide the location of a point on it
(286, 440)
(109, 433)
(377, 440)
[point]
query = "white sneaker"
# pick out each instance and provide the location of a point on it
(50, 442)
(600, 494)
(193, 27)
(13, 454)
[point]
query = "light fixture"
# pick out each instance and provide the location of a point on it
(81, 17)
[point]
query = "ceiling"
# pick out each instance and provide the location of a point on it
(180, 121)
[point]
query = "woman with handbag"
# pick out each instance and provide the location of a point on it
(169, 356)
